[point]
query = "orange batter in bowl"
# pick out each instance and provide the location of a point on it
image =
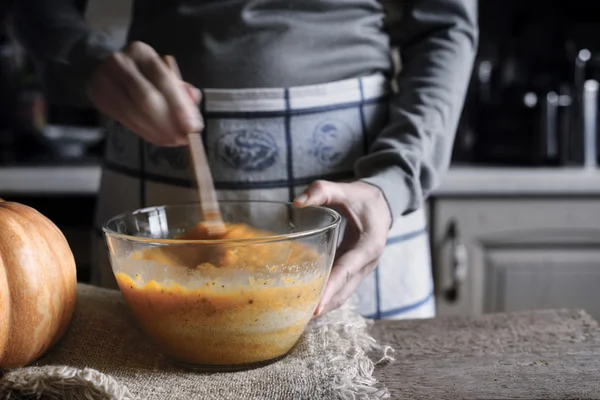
(245, 303)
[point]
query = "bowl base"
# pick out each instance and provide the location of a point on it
(222, 368)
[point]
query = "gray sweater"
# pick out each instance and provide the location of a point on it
(282, 43)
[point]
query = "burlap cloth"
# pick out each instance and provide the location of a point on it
(104, 356)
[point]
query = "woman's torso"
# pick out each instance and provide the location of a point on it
(266, 43)
(268, 144)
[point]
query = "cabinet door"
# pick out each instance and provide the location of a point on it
(511, 254)
(525, 278)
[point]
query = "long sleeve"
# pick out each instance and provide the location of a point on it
(63, 48)
(438, 42)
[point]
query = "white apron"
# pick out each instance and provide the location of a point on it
(269, 144)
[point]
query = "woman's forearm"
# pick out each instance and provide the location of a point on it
(438, 42)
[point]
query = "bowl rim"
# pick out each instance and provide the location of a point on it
(337, 218)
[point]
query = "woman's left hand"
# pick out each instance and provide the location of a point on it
(368, 222)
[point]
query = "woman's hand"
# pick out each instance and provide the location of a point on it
(136, 87)
(368, 222)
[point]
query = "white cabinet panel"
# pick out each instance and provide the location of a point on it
(518, 253)
(522, 279)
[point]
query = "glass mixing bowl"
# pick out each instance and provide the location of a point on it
(228, 303)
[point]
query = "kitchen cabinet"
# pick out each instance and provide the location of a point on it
(509, 254)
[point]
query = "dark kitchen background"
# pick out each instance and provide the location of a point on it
(528, 97)
(515, 223)
(526, 104)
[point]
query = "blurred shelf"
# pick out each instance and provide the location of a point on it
(50, 180)
(519, 182)
(469, 181)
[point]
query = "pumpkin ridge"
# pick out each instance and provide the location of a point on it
(7, 223)
(39, 272)
(20, 237)
(50, 244)
(63, 314)
(5, 308)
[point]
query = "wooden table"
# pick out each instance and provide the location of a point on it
(528, 355)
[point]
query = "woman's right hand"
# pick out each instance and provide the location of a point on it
(137, 88)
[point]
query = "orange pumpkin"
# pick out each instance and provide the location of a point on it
(38, 284)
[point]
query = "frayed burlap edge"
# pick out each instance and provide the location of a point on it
(60, 382)
(346, 334)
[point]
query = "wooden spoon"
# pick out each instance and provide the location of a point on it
(206, 188)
